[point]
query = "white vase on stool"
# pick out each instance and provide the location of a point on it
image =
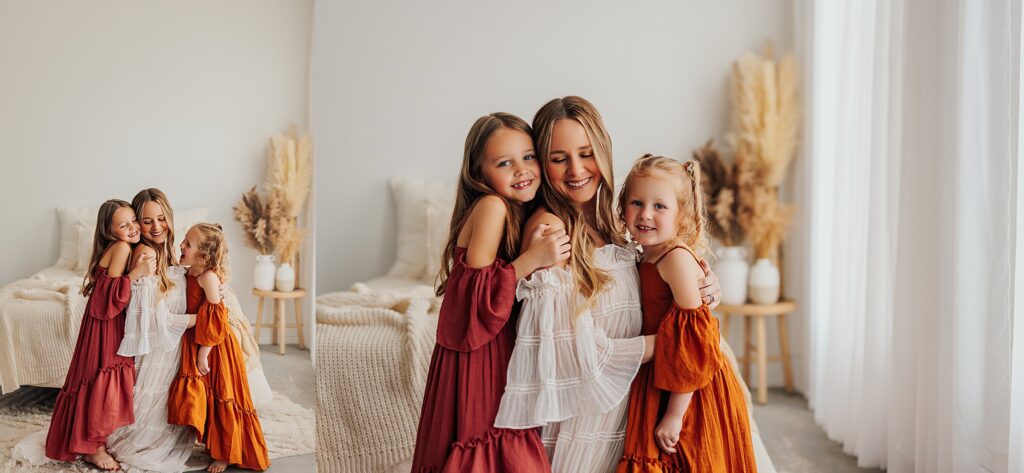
(764, 282)
(264, 274)
(285, 278)
(732, 269)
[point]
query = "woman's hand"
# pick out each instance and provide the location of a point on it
(144, 266)
(710, 290)
(666, 435)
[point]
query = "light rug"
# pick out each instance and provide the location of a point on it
(288, 428)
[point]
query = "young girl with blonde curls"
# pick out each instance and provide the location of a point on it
(481, 265)
(687, 410)
(211, 393)
(97, 395)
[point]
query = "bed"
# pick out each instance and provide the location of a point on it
(374, 342)
(41, 314)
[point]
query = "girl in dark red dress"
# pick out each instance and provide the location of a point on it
(97, 395)
(476, 329)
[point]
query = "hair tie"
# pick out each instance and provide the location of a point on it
(689, 167)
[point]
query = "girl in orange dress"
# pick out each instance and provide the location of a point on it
(687, 411)
(211, 393)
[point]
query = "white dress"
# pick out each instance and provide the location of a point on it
(571, 375)
(152, 334)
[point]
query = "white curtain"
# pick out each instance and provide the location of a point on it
(910, 188)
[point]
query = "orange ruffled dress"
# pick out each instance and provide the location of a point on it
(687, 358)
(218, 405)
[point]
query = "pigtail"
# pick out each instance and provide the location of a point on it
(700, 242)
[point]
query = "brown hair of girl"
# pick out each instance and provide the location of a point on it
(692, 230)
(102, 238)
(589, 278)
(472, 186)
(212, 250)
(164, 253)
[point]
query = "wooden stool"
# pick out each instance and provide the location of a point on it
(759, 312)
(278, 299)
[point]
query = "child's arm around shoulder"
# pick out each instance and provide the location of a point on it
(683, 274)
(486, 226)
(119, 253)
(210, 283)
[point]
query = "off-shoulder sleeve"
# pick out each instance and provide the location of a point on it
(211, 324)
(477, 304)
(109, 296)
(149, 324)
(562, 365)
(687, 355)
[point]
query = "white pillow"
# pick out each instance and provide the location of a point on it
(85, 237)
(70, 218)
(412, 196)
(438, 221)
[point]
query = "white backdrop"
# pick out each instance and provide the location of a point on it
(101, 99)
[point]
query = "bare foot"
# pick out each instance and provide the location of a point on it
(217, 467)
(104, 461)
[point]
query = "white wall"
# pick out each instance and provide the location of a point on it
(101, 99)
(396, 85)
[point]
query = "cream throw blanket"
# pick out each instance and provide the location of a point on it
(373, 353)
(39, 322)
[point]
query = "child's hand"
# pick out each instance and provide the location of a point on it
(550, 247)
(666, 435)
(144, 266)
(203, 365)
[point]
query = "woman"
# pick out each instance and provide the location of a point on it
(579, 345)
(156, 321)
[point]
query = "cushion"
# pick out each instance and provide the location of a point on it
(412, 197)
(438, 221)
(69, 219)
(85, 236)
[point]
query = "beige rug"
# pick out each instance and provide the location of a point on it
(288, 427)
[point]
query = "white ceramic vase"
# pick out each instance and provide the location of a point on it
(764, 282)
(285, 278)
(732, 271)
(263, 275)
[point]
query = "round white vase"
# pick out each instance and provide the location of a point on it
(764, 282)
(263, 275)
(732, 271)
(285, 278)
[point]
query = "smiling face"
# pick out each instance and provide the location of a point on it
(153, 222)
(189, 247)
(123, 225)
(509, 165)
(571, 166)
(652, 211)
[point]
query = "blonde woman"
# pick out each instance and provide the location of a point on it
(579, 345)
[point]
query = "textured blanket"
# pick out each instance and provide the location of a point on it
(373, 353)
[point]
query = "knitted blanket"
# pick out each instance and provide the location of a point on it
(39, 322)
(373, 353)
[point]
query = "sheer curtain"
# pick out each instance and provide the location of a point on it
(910, 190)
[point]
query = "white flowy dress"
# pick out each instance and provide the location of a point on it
(571, 374)
(153, 329)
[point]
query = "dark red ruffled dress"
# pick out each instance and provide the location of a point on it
(97, 396)
(476, 332)
(217, 405)
(687, 358)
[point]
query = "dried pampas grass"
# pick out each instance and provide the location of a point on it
(765, 133)
(718, 180)
(271, 225)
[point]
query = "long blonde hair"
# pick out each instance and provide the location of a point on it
(692, 230)
(212, 250)
(164, 253)
(590, 279)
(472, 186)
(101, 240)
